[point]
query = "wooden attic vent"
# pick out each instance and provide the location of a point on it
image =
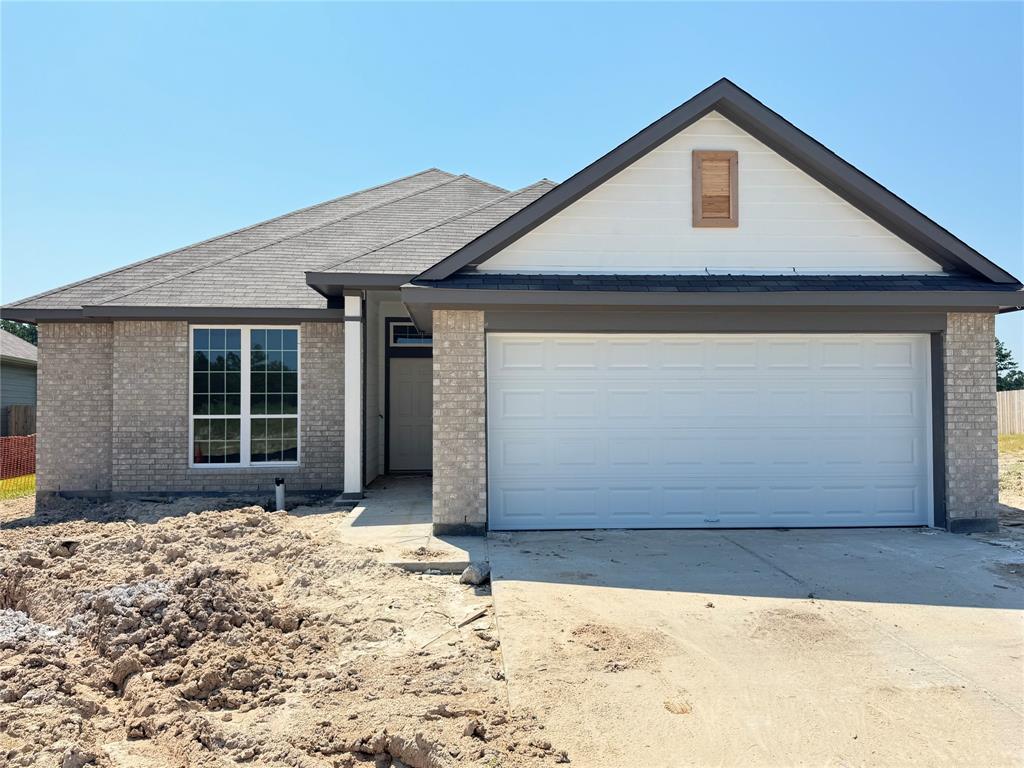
(715, 185)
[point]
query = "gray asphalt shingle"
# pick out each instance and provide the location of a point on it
(416, 251)
(323, 233)
(16, 348)
(274, 275)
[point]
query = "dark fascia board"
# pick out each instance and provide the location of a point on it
(983, 301)
(553, 319)
(802, 150)
(103, 313)
(30, 315)
(332, 284)
(241, 314)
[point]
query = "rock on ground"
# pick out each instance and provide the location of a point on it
(476, 574)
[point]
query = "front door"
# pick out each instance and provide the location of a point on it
(410, 414)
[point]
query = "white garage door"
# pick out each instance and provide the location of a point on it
(694, 431)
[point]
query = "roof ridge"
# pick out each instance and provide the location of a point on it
(485, 183)
(432, 225)
(149, 259)
(300, 233)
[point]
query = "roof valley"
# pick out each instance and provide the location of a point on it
(434, 225)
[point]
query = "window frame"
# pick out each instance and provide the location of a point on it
(245, 416)
(699, 156)
(422, 343)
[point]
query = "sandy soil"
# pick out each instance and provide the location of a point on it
(1011, 490)
(158, 635)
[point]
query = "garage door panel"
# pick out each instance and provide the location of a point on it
(704, 430)
(718, 503)
(574, 404)
(662, 453)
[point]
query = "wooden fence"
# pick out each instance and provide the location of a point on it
(1011, 412)
(21, 420)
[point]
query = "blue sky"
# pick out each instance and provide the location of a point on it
(132, 129)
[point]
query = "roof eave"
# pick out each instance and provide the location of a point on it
(25, 362)
(106, 313)
(978, 301)
(38, 315)
(334, 284)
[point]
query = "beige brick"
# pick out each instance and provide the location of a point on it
(114, 412)
(460, 434)
(74, 406)
(972, 461)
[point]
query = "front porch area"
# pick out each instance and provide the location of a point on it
(395, 519)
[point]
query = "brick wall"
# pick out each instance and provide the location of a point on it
(460, 429)
(150, 433)
(74, 408)
(151, 450)
(132, 434)
(972, 461)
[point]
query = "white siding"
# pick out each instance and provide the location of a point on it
(640, 221)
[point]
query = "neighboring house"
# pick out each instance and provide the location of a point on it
(17, 375)
(720, 323)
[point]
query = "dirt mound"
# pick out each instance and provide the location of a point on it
(616, 650)
(159, 635)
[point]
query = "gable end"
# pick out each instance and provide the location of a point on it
(798, 148)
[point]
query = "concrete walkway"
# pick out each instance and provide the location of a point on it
(396, 516)
(745, 648)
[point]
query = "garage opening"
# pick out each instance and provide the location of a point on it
(715, 430)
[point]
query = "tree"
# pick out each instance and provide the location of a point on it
(25, 331)
(1008, 375)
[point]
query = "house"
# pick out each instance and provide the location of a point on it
(719, 323)
(17, 377)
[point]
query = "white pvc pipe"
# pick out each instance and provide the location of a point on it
(279, 493)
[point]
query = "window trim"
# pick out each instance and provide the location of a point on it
(699, 156)
(245, 417)
(392, 323)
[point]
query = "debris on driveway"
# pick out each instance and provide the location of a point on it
(476, 574)
(823, 647)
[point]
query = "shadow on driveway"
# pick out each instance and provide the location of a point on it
(886, 565)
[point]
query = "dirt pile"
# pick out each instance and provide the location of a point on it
(615, 650)
(153, 635)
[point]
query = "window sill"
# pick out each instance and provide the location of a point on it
(240, 467)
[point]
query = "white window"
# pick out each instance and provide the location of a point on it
(244, 394)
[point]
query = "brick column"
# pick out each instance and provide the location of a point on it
(74, 409)
(972, 460)
(460, 428)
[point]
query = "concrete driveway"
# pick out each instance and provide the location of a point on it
(781, 648)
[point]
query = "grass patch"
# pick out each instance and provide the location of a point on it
(16, 487)
(1011, 444)
(1011, 467)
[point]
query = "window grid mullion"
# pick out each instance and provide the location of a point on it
(245, 415)
(245, 430)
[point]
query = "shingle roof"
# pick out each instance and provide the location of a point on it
(15, 348)
(273, 275)
(716, 283)
(264, 264)
(413, 252)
